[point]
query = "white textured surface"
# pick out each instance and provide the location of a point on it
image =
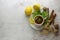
(14, 24)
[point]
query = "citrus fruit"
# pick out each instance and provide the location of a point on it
(28, 10)
(31, 20)
(36, 6)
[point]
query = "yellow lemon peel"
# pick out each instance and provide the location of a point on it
(36, 6)
(31, 20)
(28, 10)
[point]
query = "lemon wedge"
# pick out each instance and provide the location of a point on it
(31, 20)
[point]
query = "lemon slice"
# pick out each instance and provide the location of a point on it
(31, 20)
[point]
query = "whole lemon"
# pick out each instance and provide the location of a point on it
(36, 6)
(28, 10)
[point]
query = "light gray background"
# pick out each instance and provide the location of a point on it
(14, 24)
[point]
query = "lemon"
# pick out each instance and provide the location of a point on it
(28, 10)
(36, 6)
(31, 20)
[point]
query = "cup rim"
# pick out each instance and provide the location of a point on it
(40, 23)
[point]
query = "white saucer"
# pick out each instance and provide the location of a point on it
(35, 27)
